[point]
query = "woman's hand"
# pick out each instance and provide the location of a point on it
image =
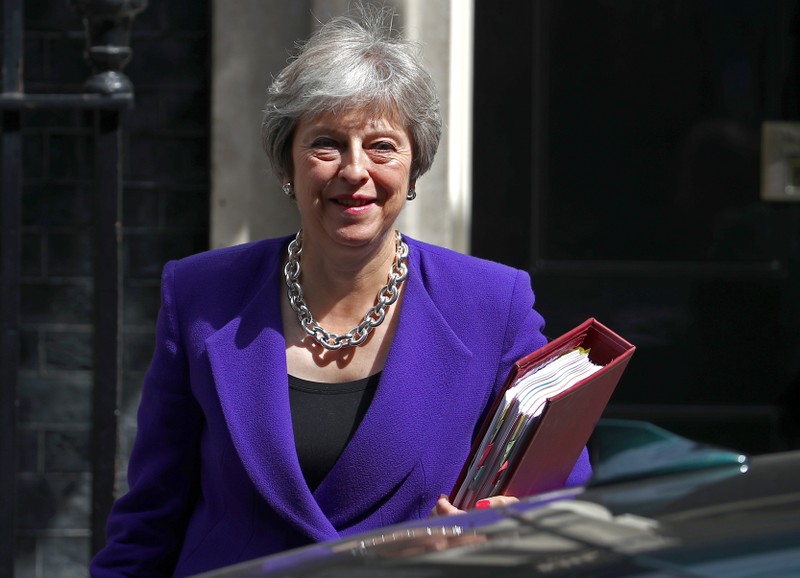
(443, 506)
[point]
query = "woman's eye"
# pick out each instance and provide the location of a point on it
(324, 142)
(383, 146)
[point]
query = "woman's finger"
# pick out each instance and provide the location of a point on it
(443, 507)
(495, 501)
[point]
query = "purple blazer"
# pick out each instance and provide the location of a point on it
(214, 477)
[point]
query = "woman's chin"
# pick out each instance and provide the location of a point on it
(359, 236)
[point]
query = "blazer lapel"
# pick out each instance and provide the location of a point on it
(248, 361)
(390, 440)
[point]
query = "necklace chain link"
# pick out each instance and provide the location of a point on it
(374, 317)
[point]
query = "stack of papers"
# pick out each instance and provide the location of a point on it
(515, 420)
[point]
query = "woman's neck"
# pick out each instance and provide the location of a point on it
(339, 288)
(340, 283)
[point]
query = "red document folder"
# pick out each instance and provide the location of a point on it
(568, 419)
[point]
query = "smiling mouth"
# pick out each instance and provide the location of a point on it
(353, 202)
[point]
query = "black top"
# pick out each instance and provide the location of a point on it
(324, 418)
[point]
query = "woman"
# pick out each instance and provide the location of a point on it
(285, 402)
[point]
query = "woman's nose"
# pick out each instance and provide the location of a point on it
(354, 165)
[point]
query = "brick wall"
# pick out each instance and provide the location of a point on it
(165, 215)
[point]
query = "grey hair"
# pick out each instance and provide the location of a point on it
(351, 63)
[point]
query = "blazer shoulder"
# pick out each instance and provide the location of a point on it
(458, 283)
(440, 262)
(235, 256)
(226, 273)
(488, 305)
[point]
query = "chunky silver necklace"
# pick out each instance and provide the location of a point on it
(374, 317)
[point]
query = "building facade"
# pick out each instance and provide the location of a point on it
(612, 149)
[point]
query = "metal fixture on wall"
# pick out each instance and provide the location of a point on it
(780, 161)
(108, 38)
(108, 93)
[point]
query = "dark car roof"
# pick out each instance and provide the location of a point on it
(731, 520)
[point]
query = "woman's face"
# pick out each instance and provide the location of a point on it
(351, 177)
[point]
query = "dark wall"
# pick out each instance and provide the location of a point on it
(504, 141)
(165, 215)
(635, 166)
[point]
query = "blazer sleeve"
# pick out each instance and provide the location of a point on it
(146, 527)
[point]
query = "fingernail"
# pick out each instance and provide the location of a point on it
(442, 496)
(483, 504)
